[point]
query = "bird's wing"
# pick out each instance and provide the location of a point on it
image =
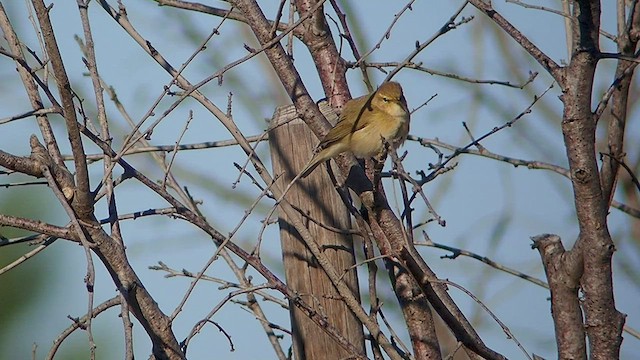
(345, 127)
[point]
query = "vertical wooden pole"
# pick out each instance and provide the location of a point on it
(291, 146)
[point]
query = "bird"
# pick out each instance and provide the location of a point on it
(364, 125)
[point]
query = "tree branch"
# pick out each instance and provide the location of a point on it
(545, 61)
(28, 76)
(564, 270)
(603, 322)
(84, 206)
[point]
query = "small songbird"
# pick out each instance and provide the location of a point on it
(364, 125)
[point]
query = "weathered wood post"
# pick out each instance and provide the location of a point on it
(325, 215)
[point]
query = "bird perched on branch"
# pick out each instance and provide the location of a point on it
(364, 126)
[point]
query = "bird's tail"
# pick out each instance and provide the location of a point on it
(312, 165)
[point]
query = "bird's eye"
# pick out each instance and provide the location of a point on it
(385, 99)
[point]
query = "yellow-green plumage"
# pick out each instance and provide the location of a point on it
(364, 123)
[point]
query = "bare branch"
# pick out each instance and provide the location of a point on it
(78, 323)
(545, 61)
(84, 207)
(564, 270)
(419, 67)
(29, 79)
(448, 26)
(231, 13)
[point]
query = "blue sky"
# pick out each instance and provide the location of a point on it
(490, 207)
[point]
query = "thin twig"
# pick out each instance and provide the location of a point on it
(86, 244)
(509, 123)
(486, 309)
(540, 56)
(200, 324)
(457, 252)
(419, 67)
(567, 16)
(529, 164)
(175, 148)
(387, 32)
(27, 256)
(448, 26)
(634, 178)
(352, 44)
(417, 188)
(79, 323)
(49, 110)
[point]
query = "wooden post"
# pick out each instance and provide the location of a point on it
(291, 146)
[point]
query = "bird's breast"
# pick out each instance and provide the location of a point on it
(368, 141)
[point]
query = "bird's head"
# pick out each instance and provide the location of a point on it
(390, 99)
